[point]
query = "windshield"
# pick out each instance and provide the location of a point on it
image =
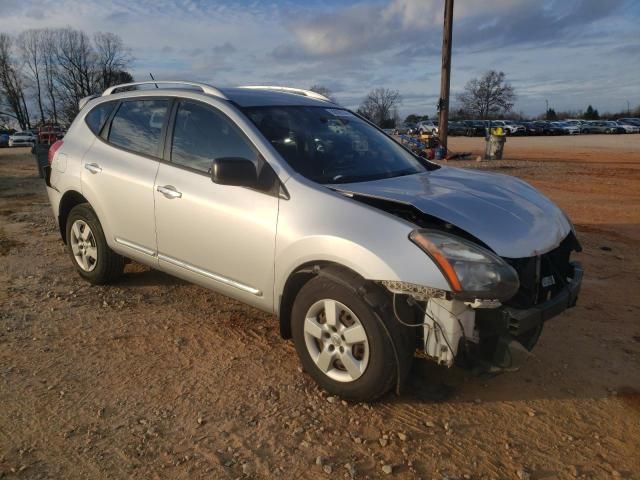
(331, 145)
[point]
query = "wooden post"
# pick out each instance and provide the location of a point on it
(445, 79)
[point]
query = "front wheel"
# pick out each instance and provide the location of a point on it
(92, 257)
(344, 343)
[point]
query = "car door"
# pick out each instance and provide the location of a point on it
(219, 236)
(119, 171)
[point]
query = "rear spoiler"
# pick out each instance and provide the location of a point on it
(83, 101)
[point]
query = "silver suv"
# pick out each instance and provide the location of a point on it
(288, 202)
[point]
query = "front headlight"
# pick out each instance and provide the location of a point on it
(472, 271)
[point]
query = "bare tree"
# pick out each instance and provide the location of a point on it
(487, 96)
(11, 83)
(30, 46)
(112, 58)
(75, 77)
(380, 106)
(83, 68)
(50, 70)
(60, 67)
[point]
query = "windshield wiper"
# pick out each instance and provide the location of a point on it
(338, 179)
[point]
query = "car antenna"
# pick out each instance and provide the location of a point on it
(151, 75)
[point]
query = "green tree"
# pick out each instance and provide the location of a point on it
(591, 114)
(551, 114)
(412, 118)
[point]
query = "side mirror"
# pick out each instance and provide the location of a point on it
(236, 171)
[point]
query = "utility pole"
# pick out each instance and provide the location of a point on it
(445, 78)
(546, 112)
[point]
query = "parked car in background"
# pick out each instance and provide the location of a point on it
(630, 121)
(427, 126)
(4, 139)
(457, 128)
(509, 128)
(404, 129)
(628, 128)
(49, 134)
(364, 251)
(549, 128)
(532, 129)
(584, 126)
(603, 126)
(22, 139)
(568, 128)
(474, 128)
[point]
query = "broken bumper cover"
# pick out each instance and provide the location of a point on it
(507, 334)
(522, 321)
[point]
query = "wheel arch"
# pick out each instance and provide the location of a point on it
(304, 273)
(70, 199)
(292, 286)
(373, 294)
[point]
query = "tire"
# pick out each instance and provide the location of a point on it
(379, 366)
(90, 254)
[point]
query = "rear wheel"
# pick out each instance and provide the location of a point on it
(344, 343)
(92, 257)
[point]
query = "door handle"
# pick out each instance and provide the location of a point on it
(169, 191)
(93, 167)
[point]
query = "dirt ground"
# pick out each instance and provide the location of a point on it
(156, 378)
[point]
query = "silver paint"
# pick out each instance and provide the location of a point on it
(246, 244)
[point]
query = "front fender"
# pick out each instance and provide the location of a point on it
(324, 226)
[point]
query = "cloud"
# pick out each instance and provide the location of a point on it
(226, 48)
(563, 50)
(413, 25)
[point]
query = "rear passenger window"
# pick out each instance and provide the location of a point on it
(202, 134)
(95, 118)
(137, 126)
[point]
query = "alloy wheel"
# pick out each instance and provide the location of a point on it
(83, 245)
(336, 340)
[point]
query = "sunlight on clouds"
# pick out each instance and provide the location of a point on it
(544, 46)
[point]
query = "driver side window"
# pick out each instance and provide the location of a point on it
(202, 134)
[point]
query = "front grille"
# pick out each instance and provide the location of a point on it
(542, 277)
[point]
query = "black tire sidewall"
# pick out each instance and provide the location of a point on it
(380, 373)
(102, 273)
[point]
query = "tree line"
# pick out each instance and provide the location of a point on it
(489, 96)
(486, 97)
(45, 72)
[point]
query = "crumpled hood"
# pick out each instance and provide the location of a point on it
(505, 213)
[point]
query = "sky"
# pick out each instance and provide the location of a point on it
(569, 52)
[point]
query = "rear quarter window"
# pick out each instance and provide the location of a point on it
(97, 117)
(137, 126)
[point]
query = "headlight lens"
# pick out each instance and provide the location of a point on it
(472, 271)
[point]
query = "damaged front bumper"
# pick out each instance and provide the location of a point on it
(482, 335)
(518, 322)
(507, 334)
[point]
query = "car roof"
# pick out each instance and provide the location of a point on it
(254, 96)
(247, 97)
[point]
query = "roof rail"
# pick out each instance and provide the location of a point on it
(296, 91)
(84, 100)
(208, 89)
